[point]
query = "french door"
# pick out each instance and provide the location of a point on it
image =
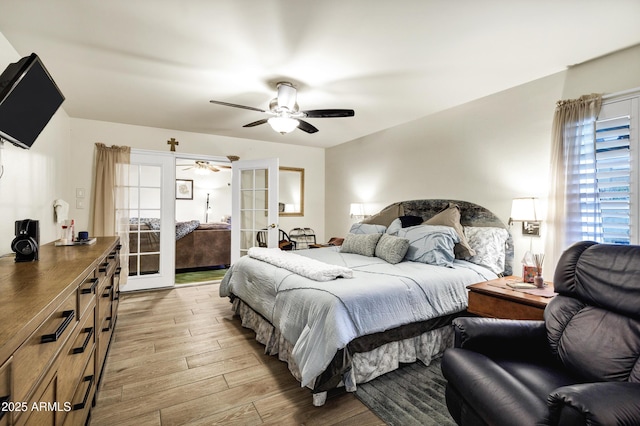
(151, 217)
(254, 204)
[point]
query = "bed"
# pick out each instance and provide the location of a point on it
(383, 308)
(198, 245)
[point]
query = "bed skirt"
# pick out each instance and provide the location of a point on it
(364, 358)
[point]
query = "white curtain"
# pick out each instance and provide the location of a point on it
(111, 200)
(572, 175)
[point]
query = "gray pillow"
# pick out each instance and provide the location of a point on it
(391, 248)
(364, 244)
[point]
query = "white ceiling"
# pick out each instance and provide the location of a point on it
(159, 62)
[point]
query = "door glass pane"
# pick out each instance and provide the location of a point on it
(246, 199)
(150, 198)
(134, 196)
(246, 179)
(253, 207)
(145, 214)
(261, 179)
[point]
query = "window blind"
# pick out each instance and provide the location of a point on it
(613, 178)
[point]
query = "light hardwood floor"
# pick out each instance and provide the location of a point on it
(179, 357)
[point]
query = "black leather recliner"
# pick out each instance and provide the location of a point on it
(579, 366)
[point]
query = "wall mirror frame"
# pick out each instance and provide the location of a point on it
(291, 191)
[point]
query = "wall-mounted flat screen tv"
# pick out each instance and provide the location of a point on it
(28, 99)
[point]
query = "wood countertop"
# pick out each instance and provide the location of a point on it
(30, 291)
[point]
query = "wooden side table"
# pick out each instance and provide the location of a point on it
(496, 299)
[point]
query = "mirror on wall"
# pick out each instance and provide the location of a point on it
(291, 191)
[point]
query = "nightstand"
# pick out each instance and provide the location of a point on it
(496, 299)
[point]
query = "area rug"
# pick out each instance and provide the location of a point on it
(189, 277)
(411, 395)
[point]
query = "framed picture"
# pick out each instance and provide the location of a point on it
(184, 189)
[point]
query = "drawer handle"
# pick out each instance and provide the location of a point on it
(91, 289)
(68, 317)
(119, 246)
(82, 404)
(107, 291)
(118, 270)
(107, 328)
(103, 267)
(89, 331)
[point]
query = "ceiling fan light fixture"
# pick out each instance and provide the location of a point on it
(283, 124)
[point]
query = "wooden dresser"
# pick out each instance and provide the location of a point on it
(56, 320)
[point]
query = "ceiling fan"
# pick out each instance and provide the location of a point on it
(201, 166)
(205, 167)
(285, 114)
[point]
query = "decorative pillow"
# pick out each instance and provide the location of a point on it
(489, 246)
(386, 216)
(364, 244)
(409, 220)
(451, 217)
(366, 228)
(392, 249)
(430, 244)
(403, 222)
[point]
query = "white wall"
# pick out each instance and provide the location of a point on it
(216, 184)
(32, 179)
(488, 151)
(85, 133)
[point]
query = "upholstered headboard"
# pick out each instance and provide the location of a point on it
(470, 215)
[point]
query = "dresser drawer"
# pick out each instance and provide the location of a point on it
(86, 293)
(5, 393)
(495, 307)
(104, 301)
(39, 351)
(83, 396)
(44, 398)
(75, 357)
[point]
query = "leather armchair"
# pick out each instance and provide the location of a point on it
(579, 366)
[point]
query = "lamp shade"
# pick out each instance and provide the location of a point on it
(525, 210)
(357, 210)
(283, 124)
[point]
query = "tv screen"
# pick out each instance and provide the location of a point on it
(28, 99)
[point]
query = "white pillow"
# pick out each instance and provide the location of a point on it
(367, 228)
(489, 244)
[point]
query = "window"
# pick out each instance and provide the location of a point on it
(608, 198)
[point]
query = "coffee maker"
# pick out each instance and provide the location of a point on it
(27, 239)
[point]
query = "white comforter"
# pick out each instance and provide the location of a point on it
(301, 265)
(319, 318)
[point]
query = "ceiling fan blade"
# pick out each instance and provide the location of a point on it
(329, 113)
(306, 127)
(237, 106)
(256, 123)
